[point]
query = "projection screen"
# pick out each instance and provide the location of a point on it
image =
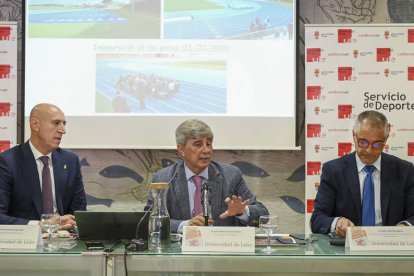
(127, 72)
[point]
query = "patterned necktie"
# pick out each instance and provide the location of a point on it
(198, 181)
(47, 196)
(368, 201)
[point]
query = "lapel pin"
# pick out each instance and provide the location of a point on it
(65, 167)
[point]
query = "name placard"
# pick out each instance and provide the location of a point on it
(218, 239)
(379, 238)
(19, 236)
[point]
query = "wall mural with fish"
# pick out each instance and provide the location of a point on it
(119, 179)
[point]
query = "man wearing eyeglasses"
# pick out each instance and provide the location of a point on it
(367, 187)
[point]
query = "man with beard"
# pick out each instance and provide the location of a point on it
(232, 203)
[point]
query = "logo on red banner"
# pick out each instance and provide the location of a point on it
(410, 149)
(344, 73)
(344, 35)
(5, 71)
(313, 54)
(4, 109)
(410, 35)
(313, 168)
(410, 71)
(313, 130)
(344, 111)
(310, 204)
(383, 54)
(344, 148)
(355, 53)
(313, 92)
(5, 32)
(4, 145)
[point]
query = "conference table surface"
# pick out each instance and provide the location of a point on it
(318, 257)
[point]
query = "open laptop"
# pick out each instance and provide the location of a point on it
(111, 225)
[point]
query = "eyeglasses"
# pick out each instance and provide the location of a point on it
(364, 144)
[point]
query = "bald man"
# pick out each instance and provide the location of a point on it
(21, 173)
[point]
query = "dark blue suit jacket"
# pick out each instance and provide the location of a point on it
(339, 193)
(20, 192)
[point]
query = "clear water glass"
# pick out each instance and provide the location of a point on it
(50, 223)
(269, 224)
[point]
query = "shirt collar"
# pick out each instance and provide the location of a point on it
(361, 165)
(189, 174)
(37, 154)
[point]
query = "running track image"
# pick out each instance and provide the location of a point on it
(90, 15)
(77, 19)
(201, 90)
(231, 20)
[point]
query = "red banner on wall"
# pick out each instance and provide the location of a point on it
(8, 85)
(350, 69)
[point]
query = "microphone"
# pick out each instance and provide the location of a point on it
(206, 202)
(140, 244)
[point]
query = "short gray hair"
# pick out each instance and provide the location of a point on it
(374, 119)
(192, 128)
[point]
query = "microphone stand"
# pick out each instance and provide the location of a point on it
(206, 202)
(138, 244)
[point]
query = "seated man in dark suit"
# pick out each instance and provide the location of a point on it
(232, 203)
(367, 187)
(21, 169)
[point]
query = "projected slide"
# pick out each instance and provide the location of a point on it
(160, 84)
(94, 19)
(156, 62)
(228, 19)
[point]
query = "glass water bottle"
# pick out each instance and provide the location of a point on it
(159, 234)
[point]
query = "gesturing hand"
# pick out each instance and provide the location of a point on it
(235, 206)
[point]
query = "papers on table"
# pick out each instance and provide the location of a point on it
(275, 239)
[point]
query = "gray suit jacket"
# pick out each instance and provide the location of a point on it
(225, 180)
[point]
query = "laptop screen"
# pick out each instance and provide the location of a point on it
(95, 225)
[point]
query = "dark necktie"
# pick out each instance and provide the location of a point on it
(368, 198)
(47, 196)
(198, 181)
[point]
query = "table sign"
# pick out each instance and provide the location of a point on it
(20, 236)
(379, 238)
(218, 239)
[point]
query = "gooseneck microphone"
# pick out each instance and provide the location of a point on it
(206, 201)
(139, 244)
